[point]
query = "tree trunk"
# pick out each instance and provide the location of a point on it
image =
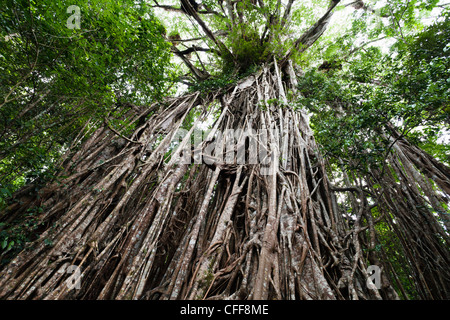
(255, 219)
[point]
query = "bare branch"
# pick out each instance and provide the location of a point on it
(179, 10)
(208, 10)
(200, 75)
(168, 8)
(361, 47)
(313, 33)
(196, 48)
(287, 13)
(193, 13)
(217, 33)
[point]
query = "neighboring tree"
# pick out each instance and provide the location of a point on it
(146, 214)
(55, 79)
(355, 109)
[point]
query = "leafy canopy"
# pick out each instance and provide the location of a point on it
(57, 79)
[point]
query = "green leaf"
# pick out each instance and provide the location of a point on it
(10, 245)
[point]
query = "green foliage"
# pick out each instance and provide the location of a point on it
(411, 90)
(426, 79)
(214, 83)
(392, 248)
(14, 236)
(343, 133)
(409, 87)
(222, 80)
(247, 49)
(56, 79)
(256, 37)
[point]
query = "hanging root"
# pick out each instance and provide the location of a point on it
(142, 223)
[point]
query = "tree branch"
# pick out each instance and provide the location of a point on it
(190, 11)
(179, 10)
(312, 34)
(287, 13)
(199, 74)
(168, 8)
(196, 48)
(362, 46)
(217, 33)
